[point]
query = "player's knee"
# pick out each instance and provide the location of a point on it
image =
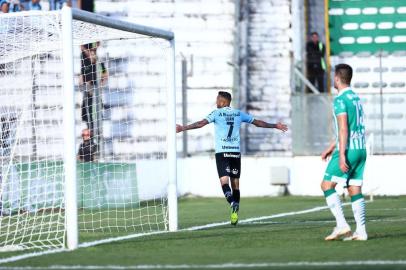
(224, 180)
(235, 183)
(326, 185)
(354, 190)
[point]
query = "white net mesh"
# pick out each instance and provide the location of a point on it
(121, 123)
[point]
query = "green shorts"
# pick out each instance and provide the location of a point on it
(355, 160)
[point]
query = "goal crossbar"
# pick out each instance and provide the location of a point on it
(98, 19)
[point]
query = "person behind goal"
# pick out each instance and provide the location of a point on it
(227, 122)
(348, 157)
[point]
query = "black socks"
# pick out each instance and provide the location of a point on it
(227, 193)
(236, 195)
(233, 196)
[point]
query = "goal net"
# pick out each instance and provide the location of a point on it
(104, 88)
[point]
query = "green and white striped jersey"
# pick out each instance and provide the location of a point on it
(348, 102)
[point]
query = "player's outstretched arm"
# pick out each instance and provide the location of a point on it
(342, 140)
(198, 124)
(263, 124)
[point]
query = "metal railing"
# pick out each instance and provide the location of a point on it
(312, 123)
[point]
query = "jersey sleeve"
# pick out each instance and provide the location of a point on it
(339, 106)
(211, 117)
(247, 118)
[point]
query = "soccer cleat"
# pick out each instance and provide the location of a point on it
(234, 218)
(338, 233)
(234, 213)
(357, 237)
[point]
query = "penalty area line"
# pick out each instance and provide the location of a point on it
(137, 235)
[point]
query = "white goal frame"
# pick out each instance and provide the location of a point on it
(71, 209)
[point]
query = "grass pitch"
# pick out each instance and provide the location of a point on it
(286, 242)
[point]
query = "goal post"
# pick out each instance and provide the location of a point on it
(71, 207)
(172, 186)
(66, 76)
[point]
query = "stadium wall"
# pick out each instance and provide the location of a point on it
(269, 63)
(197, 176)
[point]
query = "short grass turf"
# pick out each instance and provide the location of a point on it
(296, 238)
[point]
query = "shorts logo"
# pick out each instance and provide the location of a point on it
(235, 171)
(231, 155)
(228, 169)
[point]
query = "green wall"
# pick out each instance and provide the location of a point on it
(337, 23)
(40, 185)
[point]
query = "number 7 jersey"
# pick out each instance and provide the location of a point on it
(227, 123)
(348, 102)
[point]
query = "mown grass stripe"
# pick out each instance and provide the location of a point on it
(217, 266)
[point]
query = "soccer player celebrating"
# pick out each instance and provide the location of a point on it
(227, 123)
(348, 156)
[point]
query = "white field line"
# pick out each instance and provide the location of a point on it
(217, 266)
(310, 222)
(137, 235)
(387, 209)
(255, 219)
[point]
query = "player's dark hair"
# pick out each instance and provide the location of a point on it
(225, 95)
(314, 33)
(344, 72)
